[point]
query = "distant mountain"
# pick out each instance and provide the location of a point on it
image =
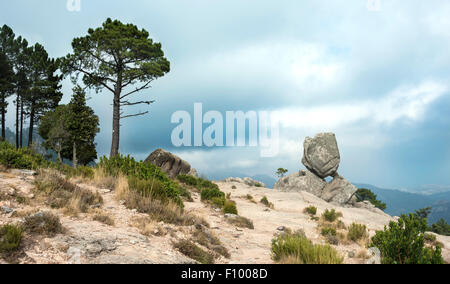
(400, 202)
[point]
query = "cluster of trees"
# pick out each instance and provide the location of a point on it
(30, 75)
(364, 194)
(440, 227)
(116, 57)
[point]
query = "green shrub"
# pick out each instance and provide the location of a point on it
(258, 185)
(330, 215)
(364, 194)
(328, 231)
(297, 249)
(357, 232)
(311, 210)
(230, 207)
(441, 228)
(23, 158)
(430, 238)
(210, 193)
(10, 238)
(218, 202)
(266, 202)
(187, 179)
(147, 173)
(404, 243)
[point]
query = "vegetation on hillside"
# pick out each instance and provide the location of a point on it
(364, 194)
(403, 242)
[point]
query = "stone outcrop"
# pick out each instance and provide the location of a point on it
(301, 181)
(339, 191)
(170, 164)
(321, 155)
(322, 158)
(248, 181)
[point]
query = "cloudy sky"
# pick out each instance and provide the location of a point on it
(378, 79)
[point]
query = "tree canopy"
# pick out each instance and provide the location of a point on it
(116, 57)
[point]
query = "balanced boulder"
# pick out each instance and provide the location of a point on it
(339, 191)
(321, 155)
(170, 164)
(302, 181)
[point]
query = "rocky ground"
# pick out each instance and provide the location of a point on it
(89, 241)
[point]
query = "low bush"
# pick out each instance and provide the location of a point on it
(230, 207)
(403, 242)
(328, 231)
(43, 223)
(311, 210)
(10, 238)
(241, 222)
(104, 218)
(266, 202)
(330, 215)
(357, 232)
(23, 158)
(144, 176)
(207, 239)
(192, 251)
(297, 249)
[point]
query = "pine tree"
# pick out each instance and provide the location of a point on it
(115, 57)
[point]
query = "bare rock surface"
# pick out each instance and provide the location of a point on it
(301, 181)
(247, 181)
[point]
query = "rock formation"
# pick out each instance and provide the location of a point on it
(321, 155)
(170, 164)
(321, 158)
(248, 181)
(302, 181)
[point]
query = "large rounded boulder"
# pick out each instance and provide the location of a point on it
(170, 164)
(321, 155)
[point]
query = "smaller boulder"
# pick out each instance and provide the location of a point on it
(302, 181)
(247, 181)
(340, 191)
(170, 164)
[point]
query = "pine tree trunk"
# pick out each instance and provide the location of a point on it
(3, 119)
(75, 162)
(116, 117)
(21, 124)
(17, 121)
(30, 133)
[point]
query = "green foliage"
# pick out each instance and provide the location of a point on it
(328, 231)
(113, 57)
(266, 202)
(188, 179)
(10, 238)
(163, 187)
(404, 243)
(230, 207)
(364, 194)
(311, 210)
(23, 158)
(210, 193)
(241, 222)
(423, 213)
(69, 126)
(297, 249)
(281, 172)
(218, 202)
(357, 232)
(330, 215)
(441, 228)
